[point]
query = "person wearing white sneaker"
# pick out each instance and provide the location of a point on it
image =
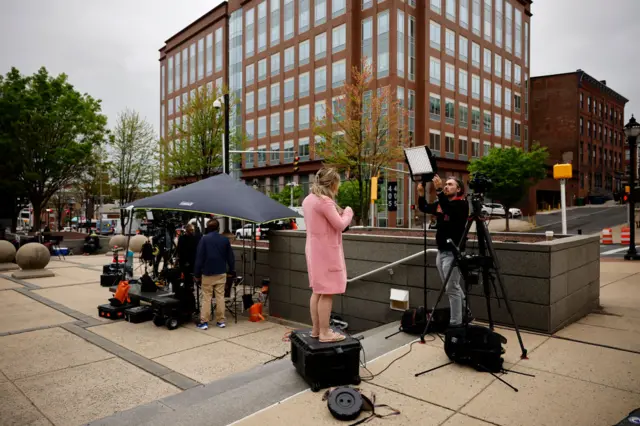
(213, 258)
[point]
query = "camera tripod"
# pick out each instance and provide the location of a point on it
(468, 265)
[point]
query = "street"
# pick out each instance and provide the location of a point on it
(590, 220)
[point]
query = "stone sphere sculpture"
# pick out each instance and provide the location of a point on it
(33, 256)
(118, 241)
(7, 252)
(136, 243)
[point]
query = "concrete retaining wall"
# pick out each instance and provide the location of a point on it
(550, 284)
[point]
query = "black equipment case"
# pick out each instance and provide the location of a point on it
(476, 346)
(109, 280)
(138, 314)
(324, 365)
(112, 312)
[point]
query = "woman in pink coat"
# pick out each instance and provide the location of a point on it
(325, 257)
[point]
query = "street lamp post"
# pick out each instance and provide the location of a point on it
(632, 131)
(225, 146)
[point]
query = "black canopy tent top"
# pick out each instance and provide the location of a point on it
(219, 195)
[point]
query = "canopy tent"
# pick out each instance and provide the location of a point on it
(220, 195)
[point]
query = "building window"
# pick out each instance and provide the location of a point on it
(497, 95)
(507, 127)
(475, 148)
(497, 125)
(516, 131)
(463, 82)
(487, 122)
(338, 73)
(219, 42)
(320, 79)
(412, 114)
(262, 127)
(303, 16)
(320, 12)
(475, 19)
(400, 58)
(303, 149)
(319, 111)
(249, 158)
(475, 119)
(412, 48)
(507, 99)
(464, 14)
(463, 49)
(475, 54)
(262, 26)
(486, 148)
(275, 124)
(434, 142)
(249, 31)
(488, 13)
(275, 64)
(434, 107)
(262, 155)
(436, 6)
(170, 79)
(450, 42)
(508, 26)
(507, 70)
(262, 69)
(321, 46)
(517, 75)
(367, 41)
(498, 23)
(304, 52)
(249, 74)
(170, 106)
(288, 19)
(451, 10)
(497, 67)
(275, 94)
(434, 71)
(274, 158)
(303, 117)
(487, 60)
(289, 58)
(475, 86)
(289, 85)
(464, 116)
(185, 68)
(209, 42)
(517, 99)
(192, 63)
(338, 7)
(450, 77)
(178, 107)
(339, 38)
(463, 150)
(288, 151)
(449, 145)
(303, 85)
(275, 22)
(450, 112)
(487, 91)
(288, 120)
(434, 35)
(383, 44)
(518, 39)
(262, 98)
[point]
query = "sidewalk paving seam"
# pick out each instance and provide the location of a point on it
(597, 344)
(22, 283)
(27, 330)
(30, 401)
(160, 371)
(54, 305)
(628, 276)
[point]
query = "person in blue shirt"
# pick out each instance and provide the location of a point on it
(214, 257)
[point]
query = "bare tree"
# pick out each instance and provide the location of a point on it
(132, 146)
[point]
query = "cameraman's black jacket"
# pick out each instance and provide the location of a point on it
(451, 218)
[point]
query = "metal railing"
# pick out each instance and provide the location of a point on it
(390, 265)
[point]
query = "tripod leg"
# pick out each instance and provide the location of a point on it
(440, 294)
(492, 253)
(481, 232)
(432, 369)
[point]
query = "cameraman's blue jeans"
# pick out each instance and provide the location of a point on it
(444, 262)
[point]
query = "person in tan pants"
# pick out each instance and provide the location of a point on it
(213, 258)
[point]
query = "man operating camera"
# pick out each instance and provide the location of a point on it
(451, 211)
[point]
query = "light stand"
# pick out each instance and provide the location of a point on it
(632, 131)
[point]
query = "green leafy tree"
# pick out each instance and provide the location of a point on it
(349, 195)
(132, 145)
(193, 149)
(51, 129)
(284, 196)
(512, 172)
(363, 130)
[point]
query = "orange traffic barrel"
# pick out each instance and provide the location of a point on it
(625, 235)
(607, 236)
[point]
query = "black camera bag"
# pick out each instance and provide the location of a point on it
(476, 346)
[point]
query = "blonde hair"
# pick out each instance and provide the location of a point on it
(324, 182)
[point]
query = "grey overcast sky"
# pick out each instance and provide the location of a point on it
(109, 49)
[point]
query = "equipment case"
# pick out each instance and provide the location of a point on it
(109, 280)
(112, 312)
(324, 365)
(138, 314)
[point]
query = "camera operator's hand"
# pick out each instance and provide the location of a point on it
(420, 190)
(437, 182)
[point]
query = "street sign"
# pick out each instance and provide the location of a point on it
(562, 171)
(392, 196)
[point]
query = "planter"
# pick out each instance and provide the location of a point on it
(550, 283)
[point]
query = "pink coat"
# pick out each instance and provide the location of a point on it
(323, 250)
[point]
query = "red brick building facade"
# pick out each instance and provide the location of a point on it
(460, 67)
(580, 120)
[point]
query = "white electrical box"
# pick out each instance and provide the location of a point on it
(399, 299)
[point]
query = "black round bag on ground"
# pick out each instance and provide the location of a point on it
(345, 403)
(476, 346)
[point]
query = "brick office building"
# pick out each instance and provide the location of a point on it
(460, 66)
(580, 120)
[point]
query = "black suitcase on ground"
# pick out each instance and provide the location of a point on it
(138, 314)
(324, 365)
(633, 418)
(109, 280)
(112, 312)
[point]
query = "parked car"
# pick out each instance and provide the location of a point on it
(515, 213)
(247, 231)
(493, 209)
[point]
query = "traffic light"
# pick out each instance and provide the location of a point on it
(296, 160)
(625, 198)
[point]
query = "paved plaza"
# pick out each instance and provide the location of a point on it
(61, 364)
